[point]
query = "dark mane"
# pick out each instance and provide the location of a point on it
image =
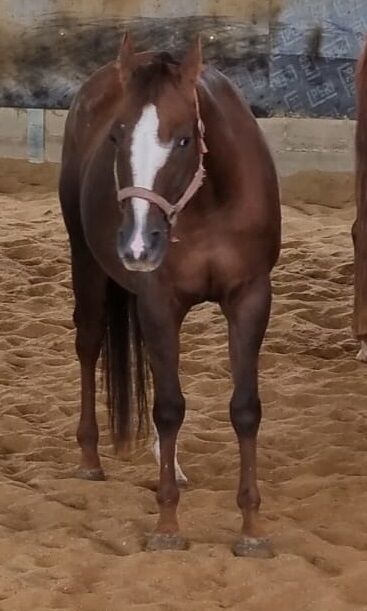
(165, 57)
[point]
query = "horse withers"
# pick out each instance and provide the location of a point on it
(170, 198)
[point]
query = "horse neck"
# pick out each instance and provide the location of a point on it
(222, 168)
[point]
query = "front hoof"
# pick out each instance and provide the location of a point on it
(161, 541)
(253, 547)
(94, 475)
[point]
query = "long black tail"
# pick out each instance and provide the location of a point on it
(125, 368)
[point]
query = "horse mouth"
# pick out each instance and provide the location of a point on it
(141, 266)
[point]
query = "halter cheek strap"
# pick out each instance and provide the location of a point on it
(171, 211)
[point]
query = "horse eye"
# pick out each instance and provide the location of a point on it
(183, 142)
(117, 134)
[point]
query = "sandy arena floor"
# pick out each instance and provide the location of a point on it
(72, 545)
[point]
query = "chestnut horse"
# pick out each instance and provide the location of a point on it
(359, 230)
(170, 198)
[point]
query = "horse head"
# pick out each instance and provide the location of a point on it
(158, 139)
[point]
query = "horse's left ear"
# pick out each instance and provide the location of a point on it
(192, 63)
(126, 60)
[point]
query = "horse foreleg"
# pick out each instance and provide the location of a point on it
(180, 476)
(248, 313)
(161, 335)
(89, 285)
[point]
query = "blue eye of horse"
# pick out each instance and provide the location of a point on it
(183, 142)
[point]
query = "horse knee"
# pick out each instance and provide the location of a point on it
(89, 336)
(245, 415)
(88, 344)
(168, 414)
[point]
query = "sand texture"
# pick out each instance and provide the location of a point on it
(73, 545)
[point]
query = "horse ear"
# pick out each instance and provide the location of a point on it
(192, 63)
(126, 59)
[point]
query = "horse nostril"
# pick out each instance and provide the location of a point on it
(128, 255)
(143, 255)
(155, 236)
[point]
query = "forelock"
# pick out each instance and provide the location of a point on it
(149, 81)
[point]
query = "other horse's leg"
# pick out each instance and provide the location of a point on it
(359, 234)
(89, 284)
(247, 312)
(362, 353)
(161, 335)
(180, 476)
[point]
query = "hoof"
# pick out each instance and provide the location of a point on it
(94, 475)
(362, 355)
(182, 482)
(251, 547)
(159, 542)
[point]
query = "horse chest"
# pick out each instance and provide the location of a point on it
(207, 270)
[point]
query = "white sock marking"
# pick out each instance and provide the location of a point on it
(180, 476)
(148, 156)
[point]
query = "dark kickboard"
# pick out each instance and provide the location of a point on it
(300, 61)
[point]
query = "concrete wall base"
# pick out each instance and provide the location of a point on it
(297, 144)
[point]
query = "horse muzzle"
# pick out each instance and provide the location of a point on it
(142, 252)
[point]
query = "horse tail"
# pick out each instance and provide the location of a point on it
(360, 226)
(125, 368)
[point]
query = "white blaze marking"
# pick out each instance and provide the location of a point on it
(148, 156)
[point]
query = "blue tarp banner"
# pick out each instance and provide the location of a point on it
(309, 60)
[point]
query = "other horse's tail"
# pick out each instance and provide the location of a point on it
(125, 368)
(360, 226)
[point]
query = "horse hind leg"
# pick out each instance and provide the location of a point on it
(180, 475)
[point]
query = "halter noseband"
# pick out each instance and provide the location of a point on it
(171, 211)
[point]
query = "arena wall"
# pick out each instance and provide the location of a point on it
(293, 60)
